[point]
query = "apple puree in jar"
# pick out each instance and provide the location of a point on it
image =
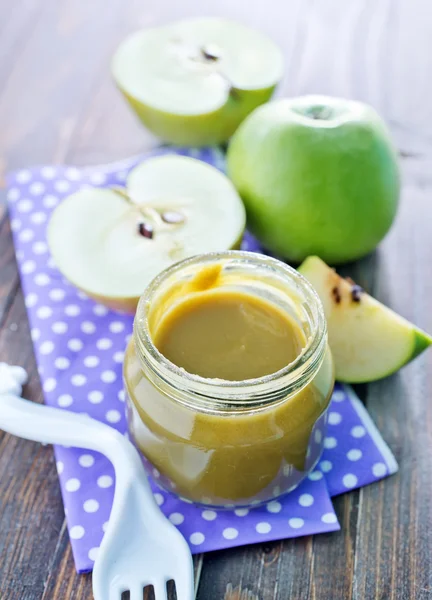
(228, 335)
(228, 379)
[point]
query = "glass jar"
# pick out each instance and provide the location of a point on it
(230, 443)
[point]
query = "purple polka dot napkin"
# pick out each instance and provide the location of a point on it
(79, 349)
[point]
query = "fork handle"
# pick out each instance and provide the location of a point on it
(45, 424)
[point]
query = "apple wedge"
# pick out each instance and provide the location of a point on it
(110, 243)
(368, 340)
(193, 81)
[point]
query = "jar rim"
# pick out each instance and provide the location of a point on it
(260, 390)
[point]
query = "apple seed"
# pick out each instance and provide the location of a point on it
(356, 292)
(336, 294)
(172, 217)
(211, 52)
(145, 229)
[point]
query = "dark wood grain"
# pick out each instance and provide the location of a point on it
(58, 103)
(394, 558)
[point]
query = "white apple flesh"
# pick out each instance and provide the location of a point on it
(192, 82)
(111, 243)
(368, 340)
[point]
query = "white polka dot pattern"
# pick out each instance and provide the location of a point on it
(349, 480)
(274, 506)
(91, 506)
(209, 515)
(159, 498)
(92, 554)
(197, 538)
(76, 532)
(86, 460)
(306, 500)
(95, 397)
(80, 349)
(176, 518)
(354, 454)
(379, 469)
(230, 533)
(329, 518)
(65, 400)
(105, 481)
(263, 527)
(72, 485)
(296, 522)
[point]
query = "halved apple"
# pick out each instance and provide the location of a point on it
(368, 340)
(110, 243)
(192, 82)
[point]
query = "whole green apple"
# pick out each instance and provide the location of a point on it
(192, 82)
(318, 175)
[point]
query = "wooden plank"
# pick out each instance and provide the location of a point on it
(108, 129)
(15, 31)
(42, 96)
(62, 582)
(31, 512)
(58, 103)
(35, 554)
(393, 557)
(318, 567)
(53, 80)
(9, 280)
(380, 552)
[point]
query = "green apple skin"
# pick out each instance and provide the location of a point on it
(368, 340)
(318, 175)
(206, 129)
(422, 341)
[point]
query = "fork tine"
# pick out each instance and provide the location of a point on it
(160, 591)
(115, 592)
(137, 592)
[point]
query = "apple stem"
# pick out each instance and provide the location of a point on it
(320, 113)
(211, 55)
(152, 214)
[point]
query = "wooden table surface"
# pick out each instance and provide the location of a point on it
(58, 104)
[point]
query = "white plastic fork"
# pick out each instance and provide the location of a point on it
(140, 547)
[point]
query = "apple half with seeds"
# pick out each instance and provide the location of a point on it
(194, 81)
(112, 242)
(368, 340)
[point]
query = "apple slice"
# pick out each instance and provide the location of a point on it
(192, 82)
(110, 243)
(368, 340)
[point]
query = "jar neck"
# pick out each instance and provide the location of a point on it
(266, 276)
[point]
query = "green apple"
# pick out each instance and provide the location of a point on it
(192, 82)
(318, 175)
(111, 243)
(368, 340)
